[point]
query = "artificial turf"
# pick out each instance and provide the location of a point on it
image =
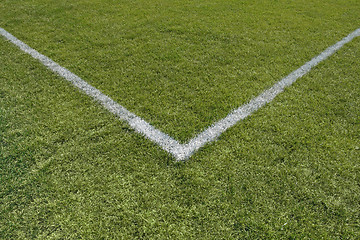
(71, 170)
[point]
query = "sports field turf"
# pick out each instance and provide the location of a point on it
(69, 169)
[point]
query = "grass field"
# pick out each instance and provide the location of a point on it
(69, 169)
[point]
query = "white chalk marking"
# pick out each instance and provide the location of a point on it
(265, 97)
(181, 151)
(141, 126)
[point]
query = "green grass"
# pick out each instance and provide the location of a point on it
(180, 65)
(70, 170)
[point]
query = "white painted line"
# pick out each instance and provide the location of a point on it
(265, 97)
(181, 151)
(141, 126)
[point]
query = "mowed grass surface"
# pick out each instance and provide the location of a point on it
(180, 65)
(70, 170)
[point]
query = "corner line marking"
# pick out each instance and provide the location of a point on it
(181, 151)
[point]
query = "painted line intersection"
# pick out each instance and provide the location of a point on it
(178, 150)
